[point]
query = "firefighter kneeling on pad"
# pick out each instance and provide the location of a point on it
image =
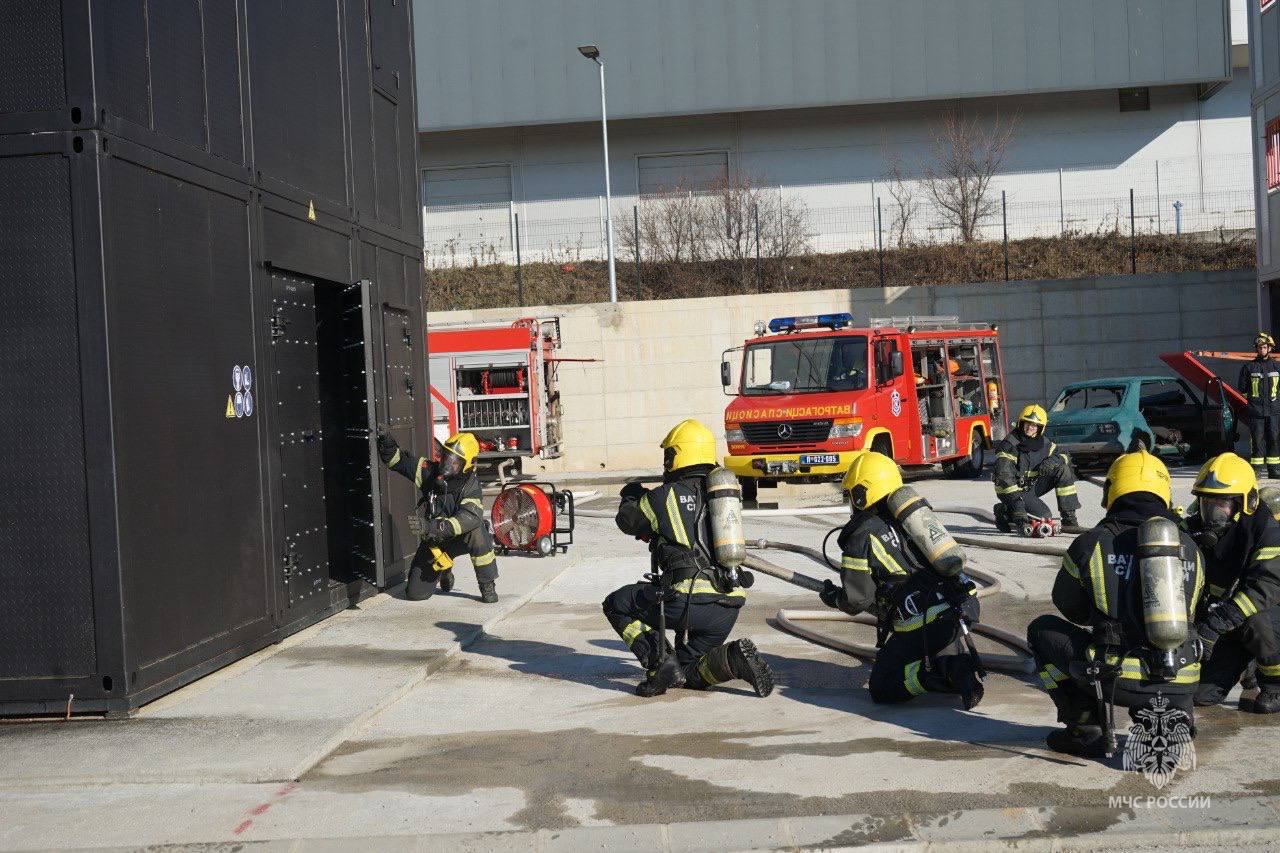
(693, 524)
(1239, 621)
(1128, 589)
(451, 516)
(900, 564)
(1028, 465)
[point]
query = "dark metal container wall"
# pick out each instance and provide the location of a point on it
(210, 280)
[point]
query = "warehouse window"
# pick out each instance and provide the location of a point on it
(695, 171)
(1273, 155)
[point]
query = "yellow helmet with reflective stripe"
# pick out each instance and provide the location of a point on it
(688, 443)
(1264, 338)
(871, 477)
(1228, 475)
(464, 445)
(1137, 472)
(1034, 414)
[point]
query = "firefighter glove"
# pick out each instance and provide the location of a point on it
(438, 530)
(830, 594)
(387, 447)
(1219, 618)
(633, 491)
(1108, 632)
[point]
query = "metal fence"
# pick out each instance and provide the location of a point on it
(1188, 196)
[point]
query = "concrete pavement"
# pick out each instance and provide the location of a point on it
(532, 738)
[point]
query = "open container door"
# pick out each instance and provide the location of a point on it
(376, 563)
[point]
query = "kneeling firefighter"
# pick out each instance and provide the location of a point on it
(693, 524)
(450, 516)
(1128, 589)
(1239, 620)
(900, 564)
(1028, 465)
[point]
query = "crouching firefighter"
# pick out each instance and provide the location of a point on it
(1128, 589)
(1239, 620)
(450, 516)
(900, 564)
(1028, 465)
(693, 524)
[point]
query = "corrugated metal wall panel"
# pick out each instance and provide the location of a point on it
(482, 63)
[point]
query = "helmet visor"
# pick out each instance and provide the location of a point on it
(451, 464)
(1217, 511)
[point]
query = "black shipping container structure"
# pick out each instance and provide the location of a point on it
(210, 287)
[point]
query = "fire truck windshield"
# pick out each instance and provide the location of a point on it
(805, 366)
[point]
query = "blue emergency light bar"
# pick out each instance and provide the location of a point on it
(813, 321)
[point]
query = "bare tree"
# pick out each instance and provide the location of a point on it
(905, 202)
(966, 156)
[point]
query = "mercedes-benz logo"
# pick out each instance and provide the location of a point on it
(784, 431)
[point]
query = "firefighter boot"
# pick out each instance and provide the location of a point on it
(668, 674)
(1001, 512)
(1069, 519)
(955, 674)
(738, 659)
(489, 592)
(446, 580)
(1268, 701)
(1249, 678)
(1084, 741)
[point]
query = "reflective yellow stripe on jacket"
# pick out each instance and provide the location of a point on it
(700, 587)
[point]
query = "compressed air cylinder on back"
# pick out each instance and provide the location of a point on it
(1271, 499)
(724, 507)
(1164, 597)
(943, 554)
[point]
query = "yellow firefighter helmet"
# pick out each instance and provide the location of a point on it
(871, 477)
(688, 443)
(464, 446)
(1264, 338)
(1228, 475)
(1034, 414)
(1137, 472)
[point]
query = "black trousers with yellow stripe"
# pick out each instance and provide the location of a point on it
(911, 663)
(1264, 443)
(1057, 643)
(475, 542)
(633, 613)
(1255, 640)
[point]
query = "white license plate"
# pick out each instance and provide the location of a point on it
(819, 459)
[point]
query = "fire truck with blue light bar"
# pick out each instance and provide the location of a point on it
(809, 391)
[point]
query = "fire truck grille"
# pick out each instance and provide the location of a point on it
(785, 433)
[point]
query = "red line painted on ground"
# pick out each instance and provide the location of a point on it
(261, 808)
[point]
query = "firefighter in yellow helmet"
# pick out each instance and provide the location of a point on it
(1029, 465)
(451, 511)
(1239, 619)
(1260, 384)
(686, 590)
(1099, 589)
(885, 573)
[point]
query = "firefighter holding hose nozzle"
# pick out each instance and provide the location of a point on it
(693, 525)
(899, 563)
(1029, 465)
(1128, 589)
(1239, 620)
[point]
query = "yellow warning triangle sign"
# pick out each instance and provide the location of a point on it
(231, 408)
(311, 211)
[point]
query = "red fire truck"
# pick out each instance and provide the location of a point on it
(497, 381)
(811, 390)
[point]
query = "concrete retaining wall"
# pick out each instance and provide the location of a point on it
(659, 361)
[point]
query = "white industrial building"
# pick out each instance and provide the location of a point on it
(810, 97)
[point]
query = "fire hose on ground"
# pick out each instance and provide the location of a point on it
(794, 621)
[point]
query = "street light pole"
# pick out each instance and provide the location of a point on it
(592, 52)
